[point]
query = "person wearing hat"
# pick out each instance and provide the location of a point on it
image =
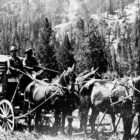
(30, 63)
(14, 64)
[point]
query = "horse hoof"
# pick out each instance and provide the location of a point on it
(129, 138)
(70, 134)
(69, 131)
(36, 135)
(53, 134)
(64, 133)
(115, 133)
(137, 136)
(95, 136)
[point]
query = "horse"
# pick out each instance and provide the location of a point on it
(136, 101)
(100, 95)
(81, 80)
(59, 97)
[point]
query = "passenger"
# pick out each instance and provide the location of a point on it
(30, 62)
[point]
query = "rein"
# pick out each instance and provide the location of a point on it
(121, 100)
(83, 82)
(36, 107)
(135, 89)
(50, 70)
(128, 96)
(97, 126)
(27, 74)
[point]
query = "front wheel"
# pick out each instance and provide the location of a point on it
(6, 116)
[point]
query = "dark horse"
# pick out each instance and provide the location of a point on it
(136, 101)
(81, 80)
(99, 95)
(58, 96)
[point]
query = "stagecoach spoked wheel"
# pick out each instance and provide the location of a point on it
(6, 116)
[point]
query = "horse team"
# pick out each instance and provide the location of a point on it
(86, 91)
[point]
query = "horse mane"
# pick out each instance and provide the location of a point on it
(58, 79)
(92, 81)
(136, 79)
(136, 82)
(84, 73)
(55, 80)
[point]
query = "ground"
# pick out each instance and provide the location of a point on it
(26, 135)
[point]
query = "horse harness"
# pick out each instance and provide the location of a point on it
(123, 84)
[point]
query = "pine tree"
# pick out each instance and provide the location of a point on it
(46, 51)
(91, 49)
(64, 54)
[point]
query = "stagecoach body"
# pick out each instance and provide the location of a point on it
(12, 101)
(3, 78)
(7, 84)
(6, 108)
(10, 107)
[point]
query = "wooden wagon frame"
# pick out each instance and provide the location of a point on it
(9, 111)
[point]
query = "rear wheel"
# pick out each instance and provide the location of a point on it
(6, 116)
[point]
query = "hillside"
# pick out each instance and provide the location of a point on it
(58, 10)
(49, 26)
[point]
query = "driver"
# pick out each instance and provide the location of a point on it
(14, 64)
(14, 72)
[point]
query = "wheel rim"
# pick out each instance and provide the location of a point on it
(6, 116)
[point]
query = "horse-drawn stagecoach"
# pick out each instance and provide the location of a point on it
(11, 102)
(49, 96)
(61, 98)
(6, 108)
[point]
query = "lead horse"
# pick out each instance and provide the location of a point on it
(81, 80)
(58, 96)
(99, 95)
(136, 101)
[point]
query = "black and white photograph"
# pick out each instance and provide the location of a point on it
(69, 69)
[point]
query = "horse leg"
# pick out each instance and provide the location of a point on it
(127, 124)
(56, 123)
(81, 125)
(81, 120)
(29, 122)
(63, 122)
(37, 119)
(113, 122)
(70, 120)
(92, 120)
(138, 135)
(84, 118)
(84, 109)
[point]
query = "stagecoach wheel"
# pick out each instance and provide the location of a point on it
(6, 116)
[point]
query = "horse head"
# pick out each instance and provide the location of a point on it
(68, 77)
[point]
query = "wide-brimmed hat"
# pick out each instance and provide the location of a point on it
(29, 50)
(13, 48)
